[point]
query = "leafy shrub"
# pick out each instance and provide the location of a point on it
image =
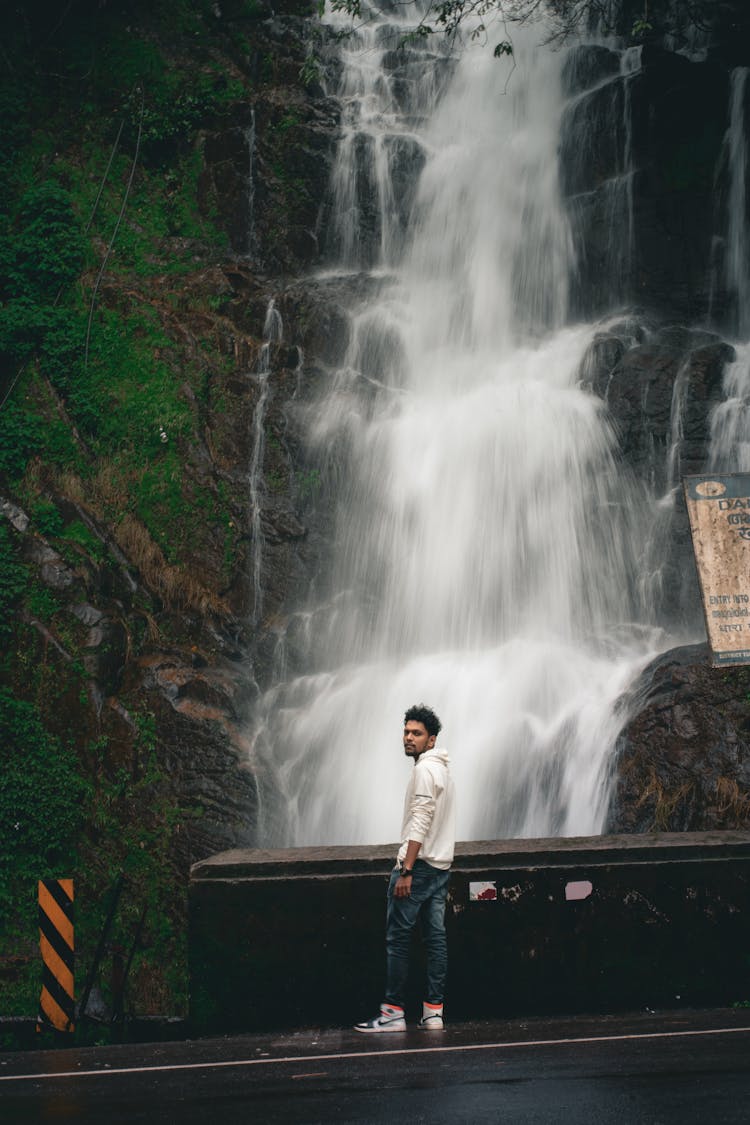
(13, 579)
(40, 800)
(46, 518)
(48, 247)
(162, 506)
(20, 437)
(78, 533)
(167, 112)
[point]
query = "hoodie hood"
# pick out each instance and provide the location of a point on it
(437, 754)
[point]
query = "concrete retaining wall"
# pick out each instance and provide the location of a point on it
(294, 938)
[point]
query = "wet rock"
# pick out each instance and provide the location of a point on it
(105, 651)
(15, 515)
(226, 181)
(218, 686)
(406, 159)
(683, 759)
(586, 65)
(282, 526)
(87, 614)
(593, 141)
(636, 375)
(209, 762)
(640, 155)
(53, 571)
(661, 384)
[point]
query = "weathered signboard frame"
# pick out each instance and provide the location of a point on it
(719, 512)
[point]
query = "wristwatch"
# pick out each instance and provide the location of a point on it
(405, 872)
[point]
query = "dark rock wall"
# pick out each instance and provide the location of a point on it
(645, 170)
(683, 759)
(652, 144)
(660, 384)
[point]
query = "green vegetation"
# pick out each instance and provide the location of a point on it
(13, 581)
(103, 108)
(637, 19)
(77, 800)
(308, 485)
(41, 793)
(56, 822)
(88, 380)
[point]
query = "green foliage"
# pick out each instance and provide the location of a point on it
(351, 7)
(168, 110)
(310, 72)
(133, 392)
(678, 19)
(288, 121)
(132, 817)
(13, 579)
(308, 485)
(173, 510)
(46, 252)
(78, 534)
(276, 481)
(42, 602)
(20, 438)
(106, 806)
(46, 518)
(14, 124)
(120, 63)
(53, 822)
(41, 251)
(40, 802)
(161, 505)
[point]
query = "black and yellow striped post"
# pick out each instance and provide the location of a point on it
(56, 1003)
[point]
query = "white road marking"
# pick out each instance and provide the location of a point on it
(287, 1059)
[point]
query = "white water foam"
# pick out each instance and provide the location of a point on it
(489, 539)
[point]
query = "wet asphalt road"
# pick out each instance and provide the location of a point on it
(647, 1069)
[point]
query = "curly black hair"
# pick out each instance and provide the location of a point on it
(419, 713)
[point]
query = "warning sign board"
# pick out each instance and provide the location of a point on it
(719, 512)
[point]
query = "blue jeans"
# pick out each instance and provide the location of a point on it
(429, 887)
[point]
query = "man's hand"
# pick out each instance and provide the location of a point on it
(402, 888)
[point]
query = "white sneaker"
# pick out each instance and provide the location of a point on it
(390, 1019)
(432, 1017)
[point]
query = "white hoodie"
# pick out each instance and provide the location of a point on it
(430, 810)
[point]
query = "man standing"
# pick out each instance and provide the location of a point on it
(419, 881)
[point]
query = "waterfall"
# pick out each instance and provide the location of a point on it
(730, 420)
(597, 157)
(487, 544)
(250, 194)
(272, 333)
(676, 430)
(630, 65)
(738, 235)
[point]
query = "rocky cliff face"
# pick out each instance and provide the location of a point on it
(646, 163)
(131, 626)
(683, 760)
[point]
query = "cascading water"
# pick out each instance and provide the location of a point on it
(597, 134)
(486, 557)
(272, 333)
(630, 65)
(250, 249)
(738, 237)
(730, 420)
